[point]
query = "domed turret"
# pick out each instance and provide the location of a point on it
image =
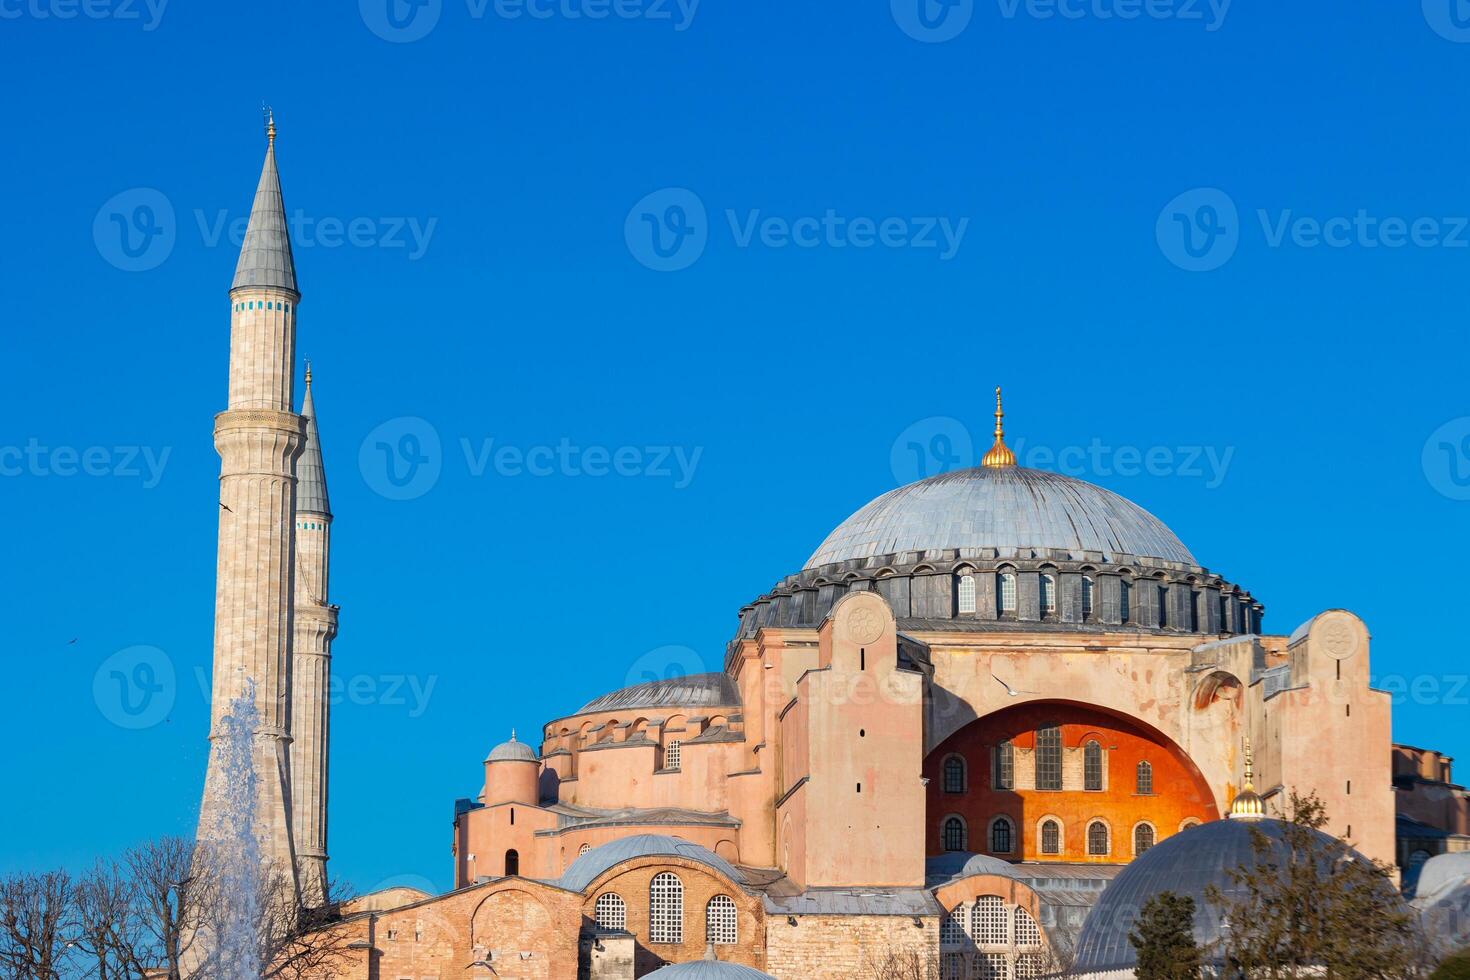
(512, 774)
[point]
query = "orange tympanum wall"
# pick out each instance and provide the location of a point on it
(1180, 793)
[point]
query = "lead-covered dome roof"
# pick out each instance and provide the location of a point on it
(590, 866)
(1004, 508)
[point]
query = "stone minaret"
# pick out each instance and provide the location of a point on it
(259, 438)
(316, 625)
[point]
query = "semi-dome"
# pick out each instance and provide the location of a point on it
(1002, 507)
(1187, 864)
(588, 867)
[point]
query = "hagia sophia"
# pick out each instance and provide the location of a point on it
(990, 704)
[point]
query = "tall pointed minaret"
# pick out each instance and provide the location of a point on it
(311, 655)
(259, 438)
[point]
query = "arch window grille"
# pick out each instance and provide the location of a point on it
(967, 594)
(954, 774)
(611, 911)
(1030, 966)
(988, 921)
(1007, 586)
(1145, 779)
(954, 834)
(720, 922)
(1051, 837)
(1143, 838)
(583, 849)
(1049, 757)
(671, 754)
(1048, 594)
(1092, 767)
(952, 927)
(1002, 836)
(666, 909)
(1028, 933)
(1005, 766)
(1097, 839)
(993, 966)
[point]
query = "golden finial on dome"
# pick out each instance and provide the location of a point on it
(1000, 455)
(1247, 805)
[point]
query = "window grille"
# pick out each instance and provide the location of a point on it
(1049, 756)
(967, 593)
(719, 921)
(611, 912)
(666, 909)
(1092, 767)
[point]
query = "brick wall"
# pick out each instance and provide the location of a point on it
(850, 947)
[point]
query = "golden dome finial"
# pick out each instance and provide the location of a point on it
(1247, 804)
(1000, 455)
(270, 123)
(308, 374)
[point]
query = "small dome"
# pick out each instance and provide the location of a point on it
(587, 868)
(1007, 508)
(953, 865)
(1442, 873)
(1187, 864)
(512, 751)
(708, 970)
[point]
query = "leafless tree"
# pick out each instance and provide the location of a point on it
(162, 879)
(35, 925)
(105, 922)
(908, 964)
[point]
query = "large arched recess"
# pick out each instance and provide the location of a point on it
(1180, 794)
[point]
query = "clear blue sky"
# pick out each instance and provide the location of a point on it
(530, 312)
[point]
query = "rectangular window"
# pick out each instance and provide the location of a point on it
(671, 754)
(1086, 596)
(1005, 766)
(1049, 757)
(1124, 599)
(967, 594)
(1007, 592)
(1048, 594)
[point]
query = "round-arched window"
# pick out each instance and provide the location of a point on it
(1143, 838)
(954, 834)
(666, 909)
(1002, 836)
(720, 922)
(1051, 837)
(1097, 839)
(611, 912)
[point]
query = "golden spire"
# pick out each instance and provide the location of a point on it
(308, 374)
(270, 123)
(1247, 805)
(1000, 455)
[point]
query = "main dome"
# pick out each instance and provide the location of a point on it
(1005, 508)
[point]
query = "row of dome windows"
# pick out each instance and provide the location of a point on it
(1048, 761)
(666, 913)
(1005, 587)
(1002, 837)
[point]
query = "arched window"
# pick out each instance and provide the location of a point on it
(1028, 933)
(1086, 596)
(1048, 594)
(1145, 779)
(1143, 838)
(1097, 839)
(955, 838)
(988, 921)
(1051, 837)
(1002, 836)
(1005, 766)
(671, 754)
(1049, 756)
(583, 849)
(611, 911)
(1092, 767)
(666, 909)
(1163, 605)
(720, 924)
(1188, 822)
(512, 863)
(1006, 584)
(954, 774)
(967, 594)
(952, 927)
(1125, 600)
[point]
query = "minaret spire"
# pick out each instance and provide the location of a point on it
(265, 256)
(1000, 455)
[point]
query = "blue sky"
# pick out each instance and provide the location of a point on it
(1219, 254)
